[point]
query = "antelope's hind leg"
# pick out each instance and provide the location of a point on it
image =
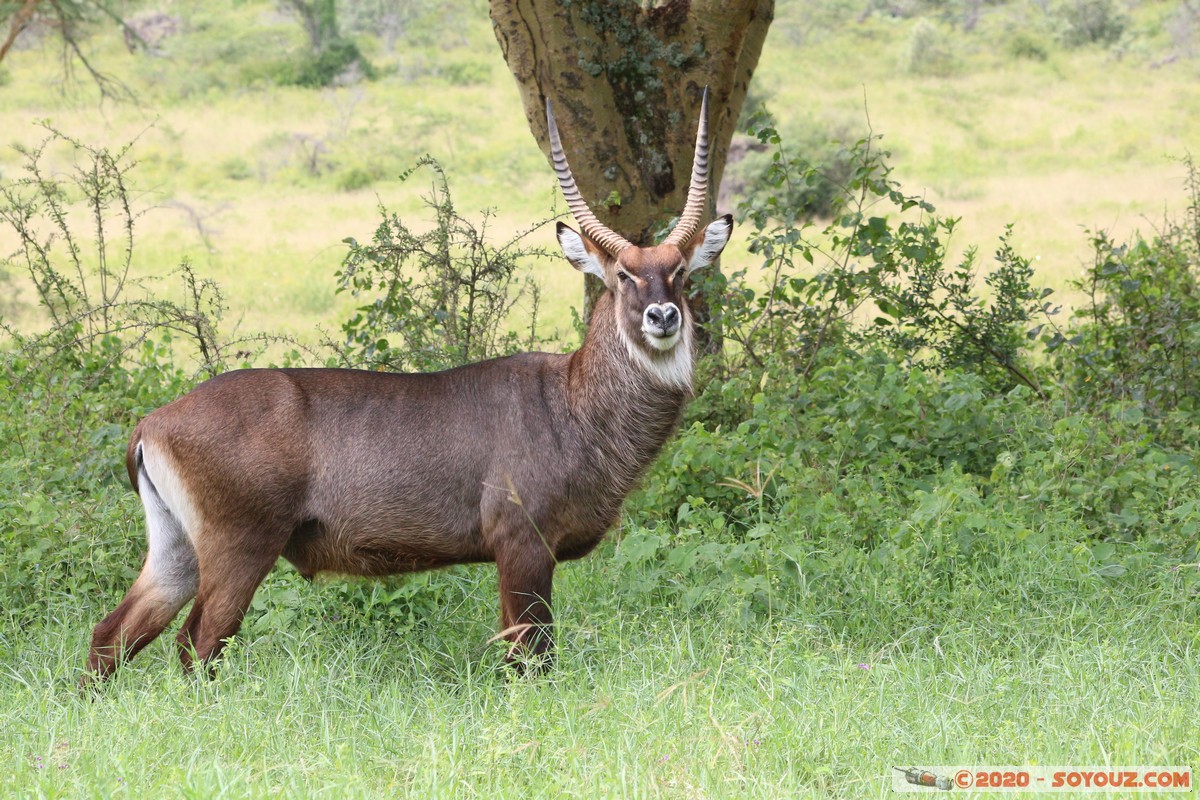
(233, 562)
(169, 579)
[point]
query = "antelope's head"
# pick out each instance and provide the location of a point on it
(647, 283)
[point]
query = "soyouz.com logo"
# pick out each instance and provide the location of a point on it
(1042, 779)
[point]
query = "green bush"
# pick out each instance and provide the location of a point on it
(856, 411)
(1027, 45)
(896, 467)
(467, 73)
(884, 250)
(355, 178)
(917, 488)
(1137, 337)
(929, 51)
(82, 281)
(110, 352)
(436, 299)
(67, 516)
(1085, 22)
(823, 165)
(237, 168)
(331, 64)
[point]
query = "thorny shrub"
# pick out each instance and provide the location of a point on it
(440, 298)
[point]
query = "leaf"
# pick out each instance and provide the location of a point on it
(641, 546)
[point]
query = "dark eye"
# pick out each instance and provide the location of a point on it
(621, 276)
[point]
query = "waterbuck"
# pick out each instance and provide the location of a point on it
(523, 460)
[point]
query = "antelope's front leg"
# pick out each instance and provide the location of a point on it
(526, 568)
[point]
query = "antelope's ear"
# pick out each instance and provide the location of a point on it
(581, 252)
(704, 247)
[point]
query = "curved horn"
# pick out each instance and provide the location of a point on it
(598, 233)
(697, 199)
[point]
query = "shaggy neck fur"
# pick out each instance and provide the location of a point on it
(610, 349)
(633, 398)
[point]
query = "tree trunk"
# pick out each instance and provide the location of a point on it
(319, 18)
(625, 81)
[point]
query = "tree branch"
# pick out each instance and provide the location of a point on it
(17, 24)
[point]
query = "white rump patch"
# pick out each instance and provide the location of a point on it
(716, 236)
(577, 253)
(171, 562)
(170, 487)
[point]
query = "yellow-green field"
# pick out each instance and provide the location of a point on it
(1083, 139)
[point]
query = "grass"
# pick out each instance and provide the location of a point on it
(642, 702)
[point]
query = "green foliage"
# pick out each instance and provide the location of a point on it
(65, 508)
(811, 183)
(81, 278)
(466, 72)
(819, 285)
(437, 299)
(929, 51)
(355, 178)
(1028, 45)
(71, 393)
(1137, 338)
(929, 452)
(795, 313)
(873, 477)
(332, 57)
(1087, 22)
(937, 315)
(853, 413)
(336, 62)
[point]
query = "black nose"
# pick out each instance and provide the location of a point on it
(662, 317)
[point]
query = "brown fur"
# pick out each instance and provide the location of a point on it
(524, 461)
